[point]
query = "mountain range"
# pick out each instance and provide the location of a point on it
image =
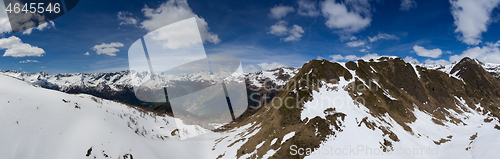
(377, 108)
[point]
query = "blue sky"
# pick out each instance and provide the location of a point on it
(263, 34)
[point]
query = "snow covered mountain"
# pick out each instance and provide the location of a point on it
(42, 123)
(381, 108)
(493, 69)
(118, 80)
(119, 85)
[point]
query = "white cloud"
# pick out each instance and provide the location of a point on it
(87, 53)
(408, 4)
(346, 37)
(279, 11)
(108, 49)
(421, 51)
(179, 35)
(411, 59)
(47, 25)
(308, 8)
(270, 66)
(29, 61)
(295, 33)
(472, 18)
(125, 18)
(173, 11)
(250, 68)
(28, 31)
(370, 56)
(16, 48)
(353, 57)
(436, 62)
(281, 29)
(355, 43)
(363, 50)
(383, 36)
(490, 53)
(348, 17)
(336, 57)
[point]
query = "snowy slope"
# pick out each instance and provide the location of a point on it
(41, 123)
(367, 142)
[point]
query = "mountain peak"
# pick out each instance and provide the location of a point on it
(467, 67)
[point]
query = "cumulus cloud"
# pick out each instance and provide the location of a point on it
(421, 51)
(280, 11)
(383, 36)
(408, 4)
(16, 48)
(270, 66)
(107, 49)
(347, 37)
(293, 33)
(182, 34)
(87, 53)
(29, 61)
(353, 57)
(336, 57)
(41, 27)
(490, 53)
(472, 18)
(279, 29)
(126, 18)
(173, 11)
(436, 62)
(347, 17)
(356, 43)
(369, 56)
(411, 59)
(308, 8)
